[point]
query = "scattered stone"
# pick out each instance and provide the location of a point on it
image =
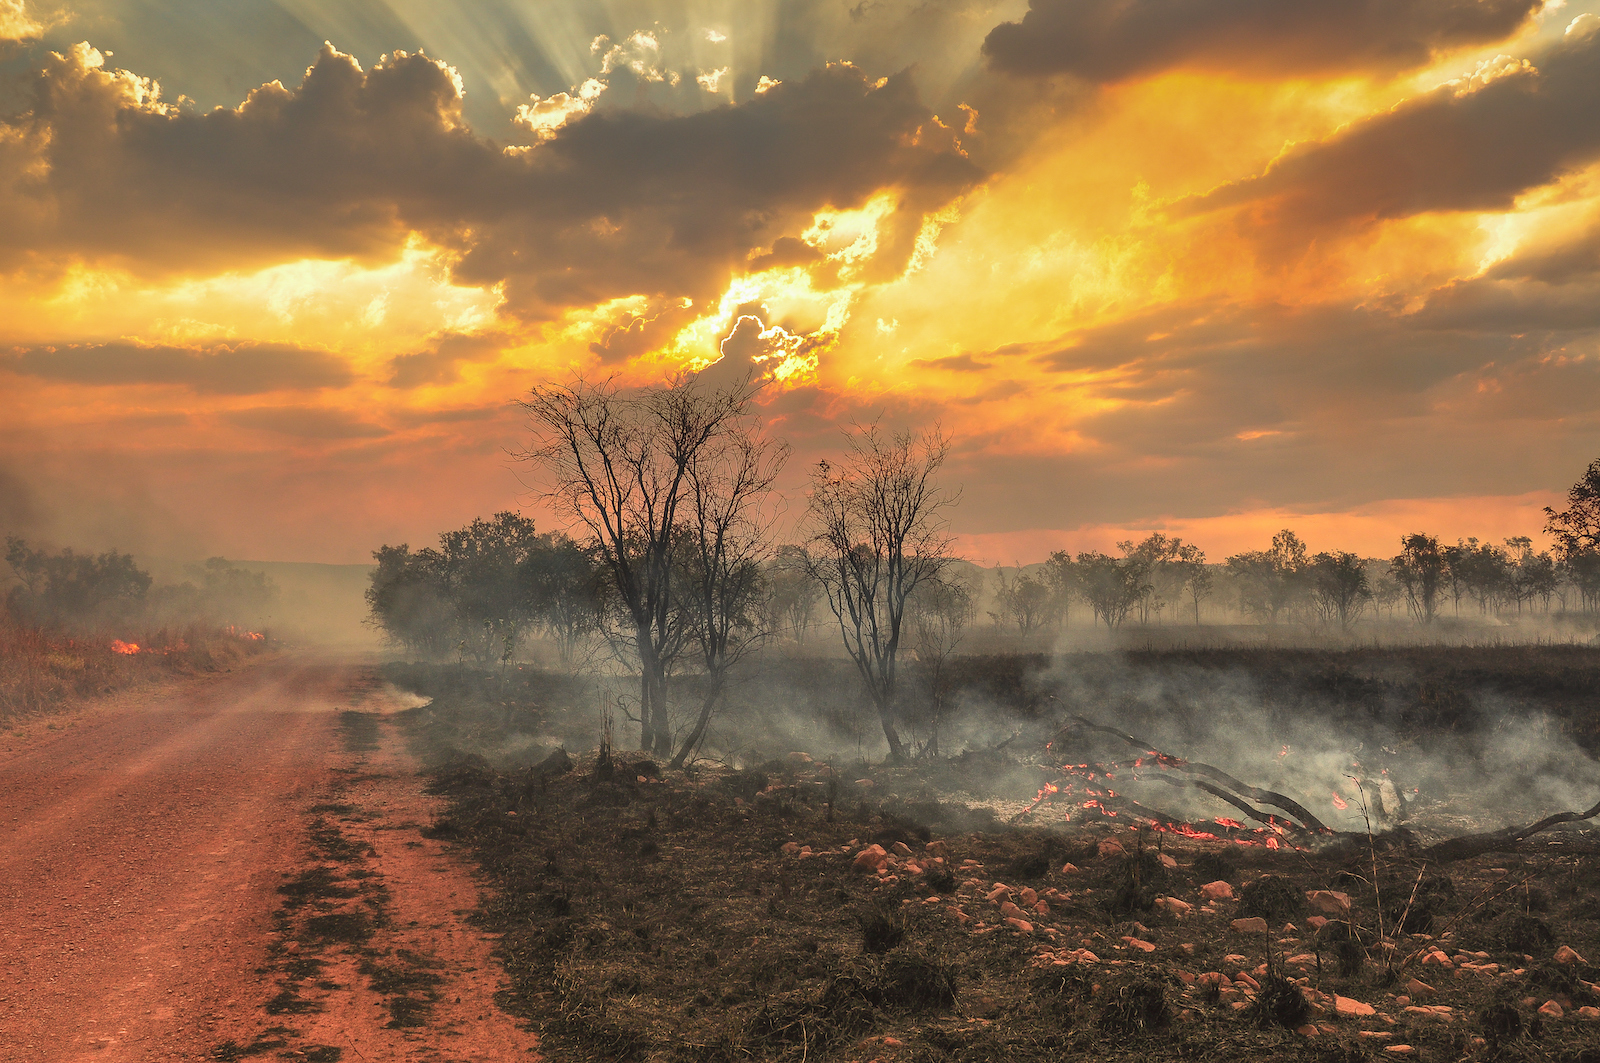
(1416, 987)
(1245, 979)
(1350, 1008)
(1028, 897)
(1174, 906)
(870, 859)
(791, 848)
(1588, 1012)
(1552, 1009)
(1566, 955)
(1329, 902)
(1041, 909)
(901, 849)
(1316, 922)
(1399, 1050)
(1253, 925)
(998, 895)
(1168, 862)
(1112, 847)
(1020, 924)
(1433, 1012)
(1142, 946)
(1069, 869)
(1307, 1030)
(1217, 891)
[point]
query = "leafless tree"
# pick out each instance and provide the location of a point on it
(619, 463)
(723, 541)
(879, 533)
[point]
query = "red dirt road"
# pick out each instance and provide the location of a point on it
(142, 844)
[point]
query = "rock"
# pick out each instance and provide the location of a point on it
(1399, 1050)
(1027, 897)
(1433, 1012)
(1244, 979)
(1349, 1008)
(1588, 1012)
(1168, 862)
(1418, 988)
(870, 859)
(1020, 924)
(1142, 946)
(1289, 928)
(1402, 1000)
(1217, 891)
(1174, 906)
(1253, 925)
(998, 894)
(1307, 1030)
(1552, 1009)
(1316, 922)
(1210, 978)
(1069, 869)
(1329, 902)
(1009, 910)
(790, 848)
(1041, 909)
(1112, 847)
(800, 758)
(1566, 955)
(937, 847)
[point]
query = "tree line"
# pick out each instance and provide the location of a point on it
(85, 591)
(670, 564)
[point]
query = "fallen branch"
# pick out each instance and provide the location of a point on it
(1470, 845)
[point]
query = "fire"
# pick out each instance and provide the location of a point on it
(1340, 803)
(240, 633)
(1231, 824)
(127, 649)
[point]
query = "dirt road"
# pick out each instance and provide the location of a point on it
(154, 856)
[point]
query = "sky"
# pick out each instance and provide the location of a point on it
(274, 272)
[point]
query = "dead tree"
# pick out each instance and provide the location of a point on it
(723, 541)
(878, 536)
(618, 464)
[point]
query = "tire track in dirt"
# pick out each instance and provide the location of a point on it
(141, 854)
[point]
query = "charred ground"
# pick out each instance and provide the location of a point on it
(728, 913)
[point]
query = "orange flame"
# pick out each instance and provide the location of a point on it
(1340, 803)
(126, 648)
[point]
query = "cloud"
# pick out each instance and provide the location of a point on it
(1473, 145)
(15, 25)
(224, 369)
(1113, 40)
(350, 162)
(955, 363)
(441, 362)
(305, 422)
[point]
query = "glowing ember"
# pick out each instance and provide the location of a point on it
(1231, 824)
(1340, 803)
(126, 648)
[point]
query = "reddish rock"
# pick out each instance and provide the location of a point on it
(1416, 987)
(1135, 943)
(1020, 924)
(790, 847)
(1552, 1009)
(1041, 909)
(998, 894)
(1329, 902)
(870, 859)
(1174, 906)
(1010, 911)
(1112, 847)
(1027, 897)
(1587, 1012)
(938, 847)
(1168, 862)
(1566, 955)
(1349, 1008)
(1217, 891)
(1253, 925)
(1069, 869)
(901, 849)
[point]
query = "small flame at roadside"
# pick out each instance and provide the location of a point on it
(127, 649)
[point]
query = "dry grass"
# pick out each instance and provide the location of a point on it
(42, 671)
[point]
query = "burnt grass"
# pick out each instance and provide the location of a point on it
(720, 914)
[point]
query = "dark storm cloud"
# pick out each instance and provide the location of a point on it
(305, 422)
(1111, 40)
(224, 369)
(1461, 147)
(348, 162)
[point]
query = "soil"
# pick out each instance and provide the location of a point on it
(227, 867)
(726, 914)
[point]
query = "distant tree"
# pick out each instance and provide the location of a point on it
(1419, 569)
(234, 595)
(73, 588)
(1188, 566)
(1339, 587)
(1576, 531)
(483, 567)
(564, 581)
(1485, 571)
(879, 535)
(792, 592)
(407, 597)
(1271, 581)
(1025, 601)
(1537, 577)
(1111, 586)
